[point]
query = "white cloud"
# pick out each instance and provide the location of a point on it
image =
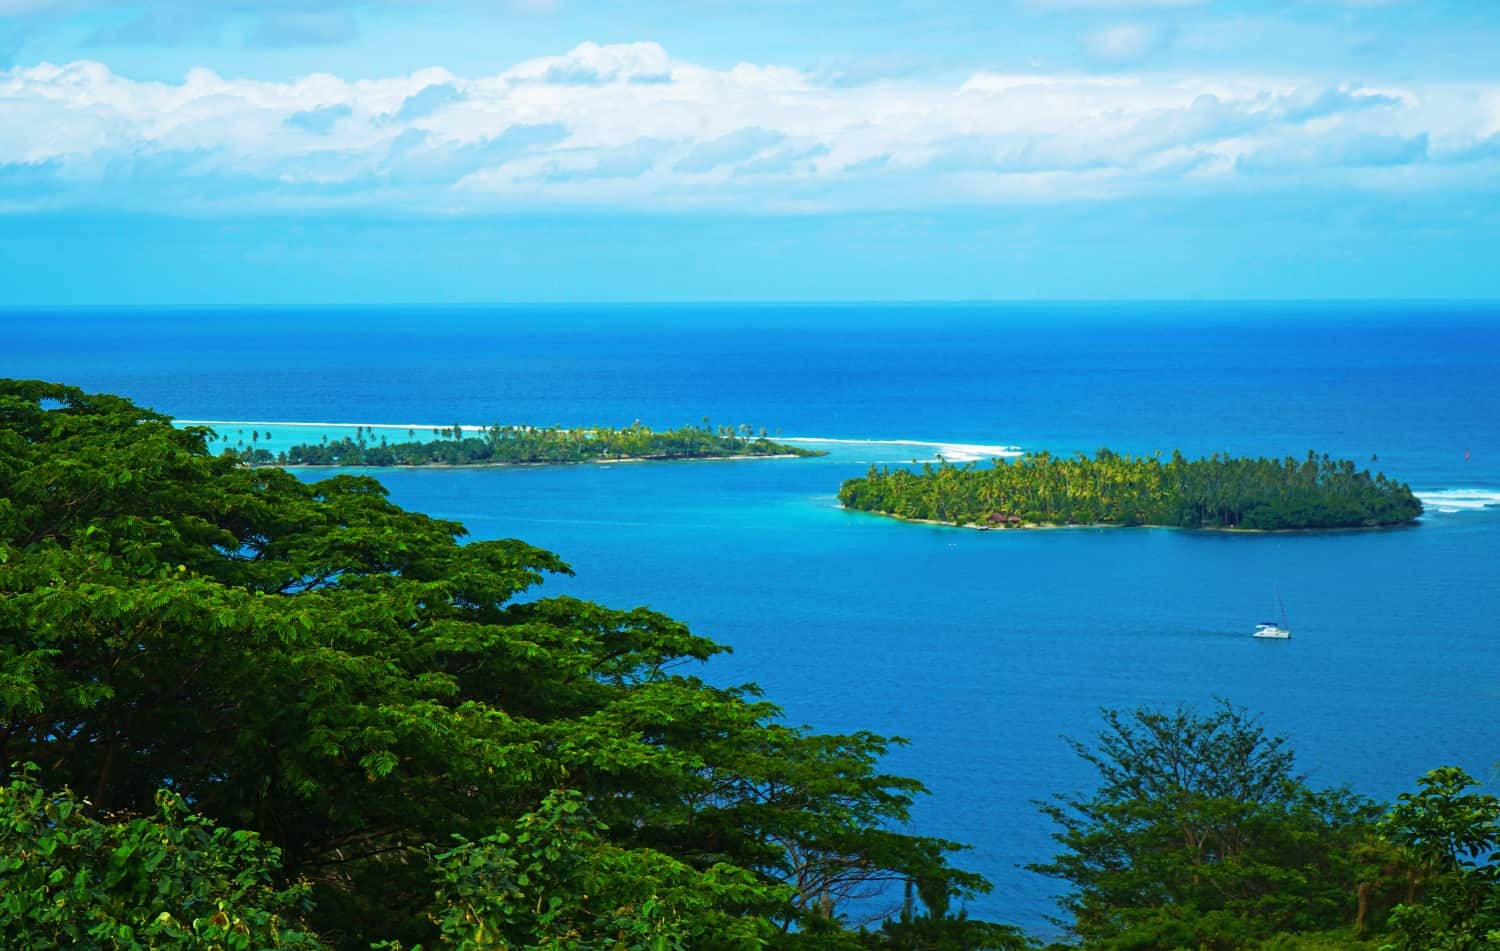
(593, 64)
(1125, 43)
(629, 126)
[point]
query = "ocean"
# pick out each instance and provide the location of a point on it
(984, 649)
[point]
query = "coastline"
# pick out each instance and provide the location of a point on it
(1052, 526)
(531, 465)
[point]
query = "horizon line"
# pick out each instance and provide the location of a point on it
(12, 308)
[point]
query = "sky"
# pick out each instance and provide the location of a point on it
(191, 153)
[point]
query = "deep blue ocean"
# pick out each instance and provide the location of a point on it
(983, 648)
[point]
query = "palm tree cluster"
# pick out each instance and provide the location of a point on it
(1219, 491)
(499, 445)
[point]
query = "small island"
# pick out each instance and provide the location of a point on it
(498, 445)
(1219, 492)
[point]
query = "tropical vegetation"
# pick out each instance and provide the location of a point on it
(1220, 491)
(526, 445)
(266, 712)
(1201, 835)
(243, 710)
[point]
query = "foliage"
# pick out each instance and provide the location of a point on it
(69, 880)
(309, 662)
(1110, 489)
(1339, 940)
(513, 445)
(1201, 835)
(948, 932)
(1450, 836)
(550, 881)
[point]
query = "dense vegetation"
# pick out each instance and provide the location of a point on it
(404, 749)
(1109, 489)
(514, 445)
(1201, 835)
(239, 710)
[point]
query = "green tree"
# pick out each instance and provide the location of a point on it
(551, 880)
(1449, 835)
(1218, 492)
(314, 664)
(171, 880)
(1200, 834)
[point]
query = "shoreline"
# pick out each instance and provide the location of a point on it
(1053, 526)
(528, 465)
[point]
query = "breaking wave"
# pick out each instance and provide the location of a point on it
(1452, 501)
(899, 449)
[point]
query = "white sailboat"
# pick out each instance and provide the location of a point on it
(1271, 630)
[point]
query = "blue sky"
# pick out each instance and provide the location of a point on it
(181, 152)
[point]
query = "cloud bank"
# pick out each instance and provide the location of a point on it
(628, 126)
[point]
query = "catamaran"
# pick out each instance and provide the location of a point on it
(1270, 630)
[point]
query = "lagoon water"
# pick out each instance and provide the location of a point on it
(982, 648)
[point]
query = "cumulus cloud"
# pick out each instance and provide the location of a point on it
(1364, 150)
(1485, 149)
(736, 146)
(628, 161)
(590, 64)
(1305, 105)
(1125, 43)
(428, 100)
(629, 126)
(319, 121)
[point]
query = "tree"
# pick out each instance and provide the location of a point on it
(552, 880)
(173, 880)
(1200, 834)
(1449, 836)
(1218, 492)
(311, 663)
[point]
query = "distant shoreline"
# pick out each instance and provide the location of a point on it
(1053, 526)
(523, 465)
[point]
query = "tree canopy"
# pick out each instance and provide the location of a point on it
(1448, 834)
(528, 445)
(1201, 835)
(1111, 489)
(423, 748)
(168, 880)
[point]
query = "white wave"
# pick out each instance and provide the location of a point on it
(952, 451)
(886, 450)
(1448, 501)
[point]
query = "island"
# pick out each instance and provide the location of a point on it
(1219, 492)
(498, 445)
